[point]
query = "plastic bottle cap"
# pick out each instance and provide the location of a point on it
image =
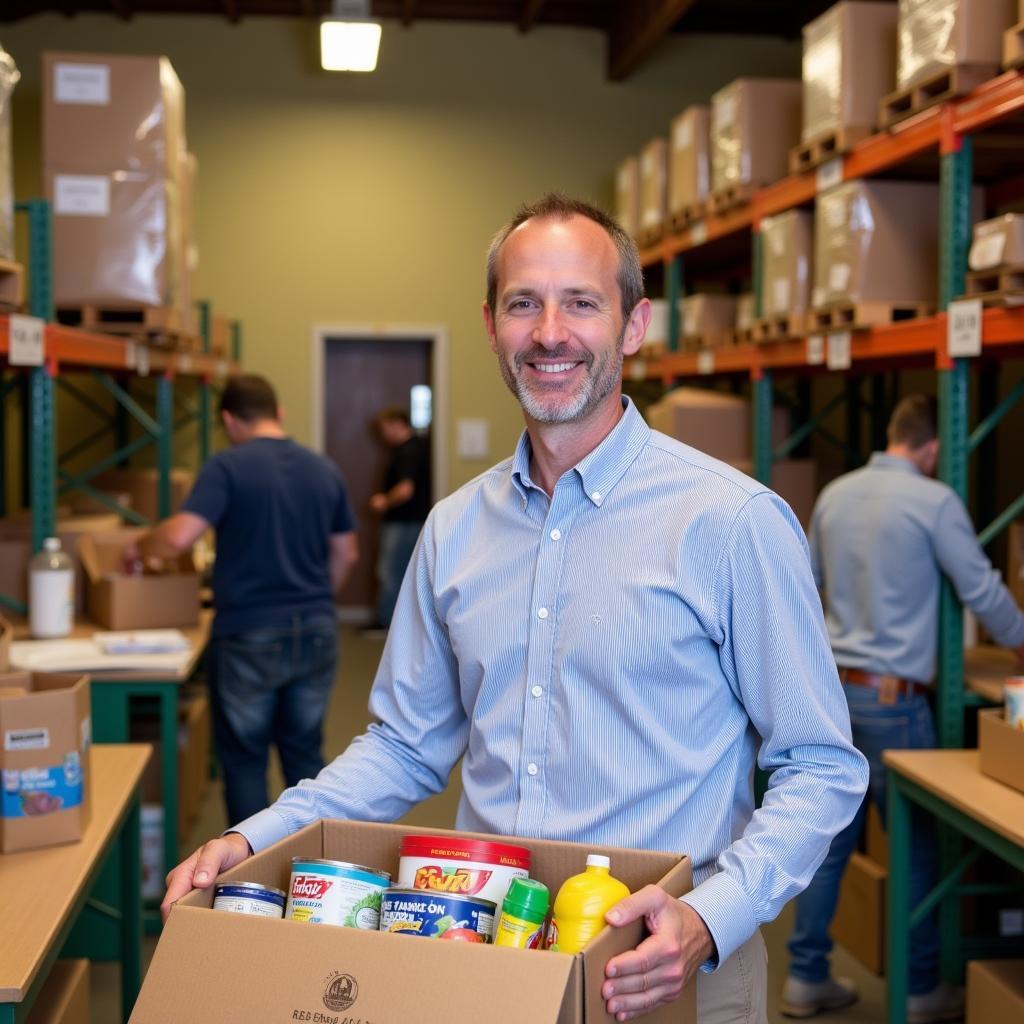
(51, 544)
(597, 860)
(526, 897)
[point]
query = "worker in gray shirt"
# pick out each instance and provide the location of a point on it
(881, 538)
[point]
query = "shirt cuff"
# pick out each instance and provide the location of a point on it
(725, 908)
(263, 829)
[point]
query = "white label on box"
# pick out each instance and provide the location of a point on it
(81, 195)
(815, 349)
(725, 110)
(699, 233)
(142, 361)
(85, 84)
(830, 174)
(817, 296)
(963, 328)
(838, 277)
(27, 336)
(27, 739)
(637, 369)
(837, 350)
(705, 361)
(987, 251)
(682, 134)
(184, 363)
(833, 207)
(780, 295)
(131, 356)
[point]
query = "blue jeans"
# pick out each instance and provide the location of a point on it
(270, 686)
(396, 544)
(907, 724)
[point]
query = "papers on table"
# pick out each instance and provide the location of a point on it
(143, 641)
(163, 650)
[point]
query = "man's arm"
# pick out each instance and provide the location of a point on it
(168, 539)
(344, 553)
(397, 495)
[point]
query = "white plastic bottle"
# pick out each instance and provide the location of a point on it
(51, 591)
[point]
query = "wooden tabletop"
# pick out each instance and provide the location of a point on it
(986, 668)
(954, 776)
(38, 888)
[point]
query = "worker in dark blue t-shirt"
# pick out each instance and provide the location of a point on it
(285, 543)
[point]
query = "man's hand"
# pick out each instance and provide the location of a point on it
(200, 870)
(655, 972)
(379, 503)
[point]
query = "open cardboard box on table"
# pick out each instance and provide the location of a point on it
(235, 967)
(1000, 748)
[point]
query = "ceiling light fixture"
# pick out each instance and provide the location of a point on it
(349, 40)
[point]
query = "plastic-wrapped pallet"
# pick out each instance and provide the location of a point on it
(189, 251)
(787, 249)
(938, 34)
(653, 190)
(627, 196)
(848, 58)
(689, 161)
(997, 242)
(709, 318)
(9, 76)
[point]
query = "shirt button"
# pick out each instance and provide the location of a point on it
(542, 613)
(596, 496)
(537, 691)
(532, 769)
(556, 534)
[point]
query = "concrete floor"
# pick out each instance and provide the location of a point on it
(348, 717)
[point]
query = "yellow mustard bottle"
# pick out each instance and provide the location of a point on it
(581, 904)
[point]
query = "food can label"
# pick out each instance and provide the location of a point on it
(324, 894)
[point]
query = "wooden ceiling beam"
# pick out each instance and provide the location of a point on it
(122, 9)
(231, 10)
(636, 29)
(528, 15)
(408, 9)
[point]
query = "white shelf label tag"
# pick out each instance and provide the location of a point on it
(830, 174)
(699, 233)
(705, 361)
(184, 363)
(131, 355)
(27, 341)
(142, 360)
(963, 328)
(815, 349)
(638, 369)
(837, 350)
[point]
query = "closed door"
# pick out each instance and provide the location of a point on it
(361, 376)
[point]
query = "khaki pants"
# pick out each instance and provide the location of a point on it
(737, 993)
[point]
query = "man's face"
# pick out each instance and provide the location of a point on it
(557, 328)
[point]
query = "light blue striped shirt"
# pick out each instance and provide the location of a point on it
(609, 662)
(881, 537)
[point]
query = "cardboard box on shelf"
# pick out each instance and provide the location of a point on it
(143, 485)
(787, 251)
(859, 922)
(1000, 748)
(795, 481)
(712, 318)
(64, 997)
(745, 311)
(47, 729)
(6, 638)
(627, 196)
(104, 112)
(220, 336)
(848, 66)
(229, 957)
(754, 124)
(876, 241)
(876, 845)
(653, 188)
(187, 172)
(656, 338)
(689, 159)
(997, 242)
(938, 34)
(116, 600)
(995, 991)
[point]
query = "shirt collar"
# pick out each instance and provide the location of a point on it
(881, 460)
(600, 470)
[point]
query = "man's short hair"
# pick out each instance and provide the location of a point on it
(556, 204)
(914, 421)
(249, 398)
(394, 413)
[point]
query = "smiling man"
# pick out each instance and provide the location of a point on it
(608, 628)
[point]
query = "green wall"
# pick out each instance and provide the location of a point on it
(334, 199)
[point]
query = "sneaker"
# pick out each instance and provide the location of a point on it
(807, 998)
(943, 1003)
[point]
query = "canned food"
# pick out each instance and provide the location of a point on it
(1014, 692)
(249, 898)
(437, 915)
(333, 892)
(461, 867)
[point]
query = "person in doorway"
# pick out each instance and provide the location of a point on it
(285, 543)
(402, 505)
(881, 538)
(608, 628)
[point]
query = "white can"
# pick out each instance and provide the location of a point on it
(1013, 691)
(334, 892)
(249, 898)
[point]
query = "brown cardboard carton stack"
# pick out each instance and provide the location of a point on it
(859, 922)
(143, 487)
(116, 600)
(995, 991)
(44, 760)
(754, 124)
(1000, 748)
(211, 965)
(9, 76)
(653, 191)
(787, 252)
(113, 145)
(848, 66)
(746, 312)
(876, 242)
(997, 242)
(64, 997)
(708, 320)
(689, 180)
(627, 196)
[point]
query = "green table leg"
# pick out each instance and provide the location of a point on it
(131, 910)
(898, 910)
(110, 719)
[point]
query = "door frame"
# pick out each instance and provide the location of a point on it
(436, 336)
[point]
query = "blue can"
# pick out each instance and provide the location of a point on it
(437, 915)
(249, 898)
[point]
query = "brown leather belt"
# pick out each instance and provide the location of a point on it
(889, 687)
